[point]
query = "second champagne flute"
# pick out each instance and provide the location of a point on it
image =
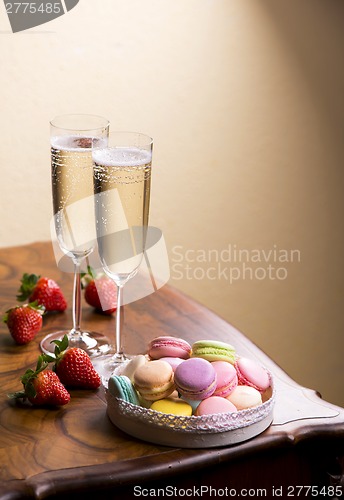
(72, 138)
(122, 177)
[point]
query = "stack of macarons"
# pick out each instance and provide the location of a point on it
(179, 379)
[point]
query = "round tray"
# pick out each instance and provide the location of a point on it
(190, 432)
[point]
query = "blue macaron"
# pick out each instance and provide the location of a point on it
(121, 387)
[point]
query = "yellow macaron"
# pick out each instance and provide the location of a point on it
(172, 406)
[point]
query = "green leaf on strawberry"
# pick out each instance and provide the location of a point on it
(45, 290)
(100, 291)
(73, 366)
(42, 386)
(28, 283)
(24, 322)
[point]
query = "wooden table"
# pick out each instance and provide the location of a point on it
(75, 451)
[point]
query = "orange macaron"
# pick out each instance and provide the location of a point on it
(154, 380)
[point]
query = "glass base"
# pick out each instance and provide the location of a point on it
(110, 364)
(95, 344)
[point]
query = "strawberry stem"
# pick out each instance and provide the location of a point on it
(91, 272)
(37, 307)
(60, 347)
(17, 395)
(87, 277)
(32, 305)
(28, 283)
(27, 380)
(90, 275)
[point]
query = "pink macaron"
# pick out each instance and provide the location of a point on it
(252, 374)
(226, 377)
(215, 404)
(174, 362)
(195, 379)
(166, 346)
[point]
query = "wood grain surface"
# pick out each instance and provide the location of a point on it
(48, 452)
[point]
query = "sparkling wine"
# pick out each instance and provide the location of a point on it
(72, 184)
(122, 190)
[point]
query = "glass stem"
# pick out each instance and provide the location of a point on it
(119, 347)
(76, 300)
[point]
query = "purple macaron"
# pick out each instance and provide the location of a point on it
(195, 379)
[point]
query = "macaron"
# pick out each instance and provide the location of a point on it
(172, 406)
(226, 378)
(154, 380)
(252, 374)
(244, 397)
(174, 362)
(213, 405)
(195, 379)
(121, 387)
(214, 350)
(130, 368)
(166, 346)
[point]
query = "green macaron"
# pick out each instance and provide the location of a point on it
(121, 387)
(214, 350)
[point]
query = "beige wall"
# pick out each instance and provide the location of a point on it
(244, 99)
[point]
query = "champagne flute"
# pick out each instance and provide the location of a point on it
(72, 138)
(122, 177)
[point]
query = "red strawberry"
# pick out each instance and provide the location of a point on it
(45, 290)
(100, 292)
(74, 366)
(24, 322)
(42, 387)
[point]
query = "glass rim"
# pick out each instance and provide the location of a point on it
(104, 125)
(113, 133)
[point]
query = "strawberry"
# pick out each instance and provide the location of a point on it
(45, 290)
(73, 366)
(42, 387)
(24, 322)
(100, 292)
